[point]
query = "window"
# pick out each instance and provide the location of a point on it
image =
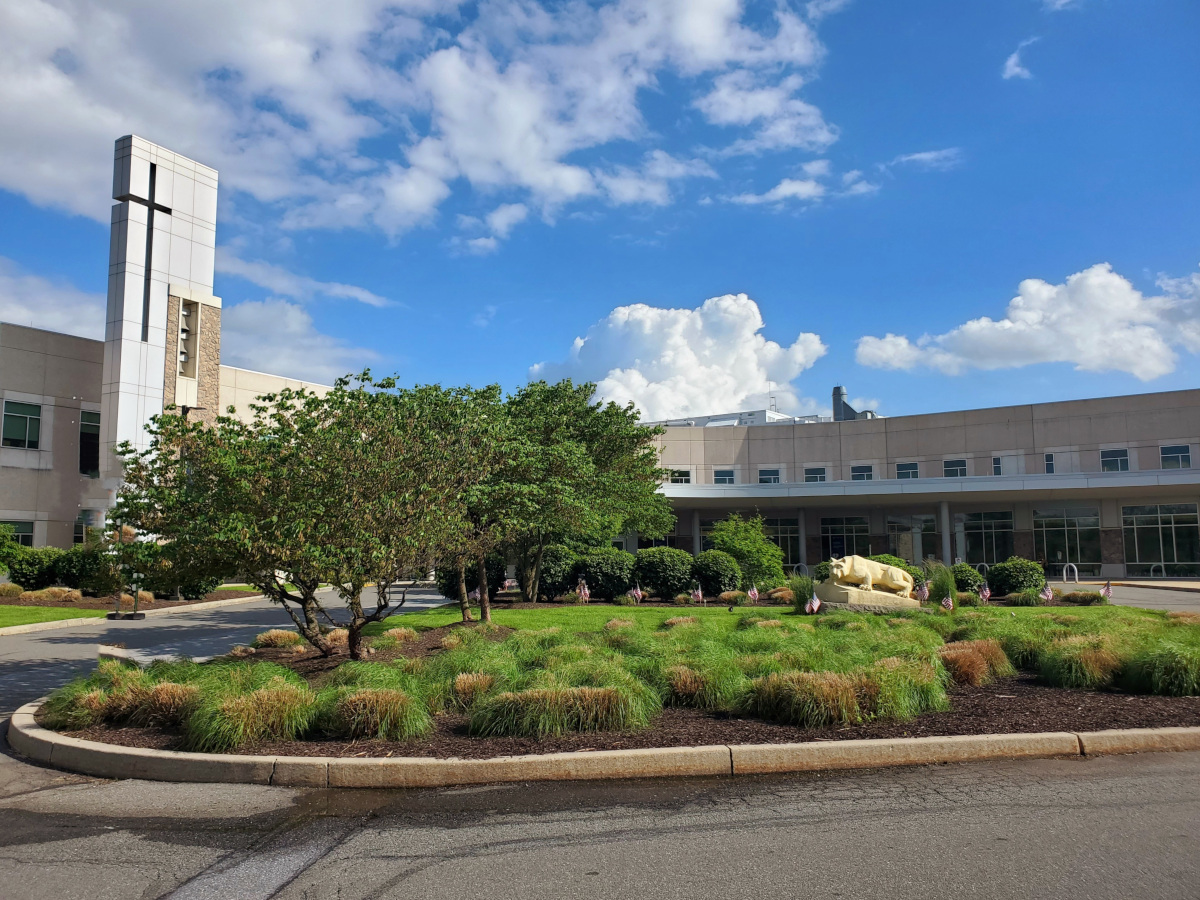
(914, 538)
(1114, 460)
(1176, 457)
(1062, 536)
(848, 536)
(681, 476)
(861, 473)
(985, 537)
(954, 468)
(22, 532)
(1049, 463)
(89, 444)
(786, 535)
(723, 476)
(997, 466)
(906, 470)
(85, 520)
(814, 475)
(644, 543)
(1161, 540)
(22, 424)
(768, 476)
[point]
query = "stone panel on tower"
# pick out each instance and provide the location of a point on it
(162, 337)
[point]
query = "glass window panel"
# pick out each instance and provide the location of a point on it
(723, 476)
(1173, 508)
(906, 470)
(681, 476)
(22, 409)
(861, 473)
(15, 429)
(954, 468)
(1149, 545)
(768, 476)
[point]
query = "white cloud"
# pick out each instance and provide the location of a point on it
(819, 9)
(1095, 320)
(1060, 5)
(27, 299)
(279, 337)
(369, 113)
(782, 120)
(788, 189)
(504, 218)
(932, 160)
(678, 362)
(483, 318)
(280, 281)
(1013, 67)
(651, 183)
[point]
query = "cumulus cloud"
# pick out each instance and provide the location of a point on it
(27, 299)
(370, 113)
(1013, 67)
(280, 281)
(1096, 320)
(678, 362)
(788, 189)
(279, 337)
(819, 9)
(817, 184)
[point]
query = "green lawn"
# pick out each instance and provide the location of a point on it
(27, 615)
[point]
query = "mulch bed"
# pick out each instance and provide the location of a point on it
(1008, 705)
(107, 602)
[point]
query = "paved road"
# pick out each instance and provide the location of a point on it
(1156, 598)
(1117, 827)
(33, 664)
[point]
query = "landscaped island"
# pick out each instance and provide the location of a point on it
(591, 677)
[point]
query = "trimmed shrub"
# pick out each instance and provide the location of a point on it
(781, 596)
(681, 599)
(74, 567)
(734, 598)
(888, 559)
(33, 567)
(542, 712)
(716, 572)
(199, 588)
(446, 576)
(1083, 598)
(663, 571)
(608, 571)
(758, 557)
(558, 564)
(10, 591)
(806, 699)
(1015, 576)
(966, 578)
(821, 572)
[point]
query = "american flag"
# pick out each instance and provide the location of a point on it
(753, 593)
(637, 594)
(923, 591)
(947, 603)
(985, 593)
(474, 595)
(698, 595)
(1047, 594)
(813, 605)
(584, 593)
(1106, 591)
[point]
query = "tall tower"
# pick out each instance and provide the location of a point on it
(162, 341)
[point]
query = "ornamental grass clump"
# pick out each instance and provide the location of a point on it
(710, 681)
(898, 688)
(376, 713)
(246, 703)
(806, 699)
(965, 666)
(278, 637)
(470, 687)
(1079, 661)
(1171, 669)
(545, 712)
(165, 705)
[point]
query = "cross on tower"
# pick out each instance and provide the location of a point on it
(151, 205)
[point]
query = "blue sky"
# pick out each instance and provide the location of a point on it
(457, 192)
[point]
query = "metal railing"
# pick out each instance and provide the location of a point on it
(982, 568)
(800, 569)
(1070, 567)
(1161, 566)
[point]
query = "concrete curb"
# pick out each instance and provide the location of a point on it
(91, 620)
(29, 739)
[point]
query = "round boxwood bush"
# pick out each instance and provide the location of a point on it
(608, 572)
(967, 578)
(663, 571)
(887, 559)
(558, 566)
(1015, 576)
(75, 566)
(197, 588)
(446, 577)
(33, 567)
(716, 572)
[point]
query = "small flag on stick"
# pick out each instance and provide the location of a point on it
(813, 606)
(985, 593)
(698, 596)
(947, 603)
(1047, 594)
(753, 593)
(1106, 591)
(923, 591)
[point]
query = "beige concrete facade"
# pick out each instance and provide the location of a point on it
(42, 489)
(1069, 482)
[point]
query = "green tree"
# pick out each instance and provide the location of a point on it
(758, 557)
(572, 467)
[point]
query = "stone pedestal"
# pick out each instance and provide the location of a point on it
(831, 592)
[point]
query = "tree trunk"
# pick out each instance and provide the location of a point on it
(463, 601)
(485, 603)
(536, 578)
